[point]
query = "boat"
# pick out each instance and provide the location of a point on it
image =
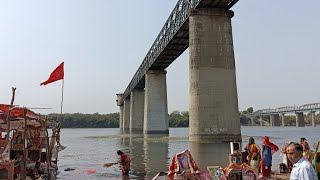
(27, 149)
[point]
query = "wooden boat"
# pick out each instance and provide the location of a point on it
(27, 150)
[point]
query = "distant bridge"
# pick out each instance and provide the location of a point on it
(287, 109)
(205, 27)
(298, 110)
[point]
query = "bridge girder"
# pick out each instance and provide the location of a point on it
(175, 31)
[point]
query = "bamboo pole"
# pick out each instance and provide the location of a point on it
(8, 119)
(47, 149)
(25, 153)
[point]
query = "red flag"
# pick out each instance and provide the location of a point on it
(56, 75)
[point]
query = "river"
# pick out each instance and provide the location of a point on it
(88, 149)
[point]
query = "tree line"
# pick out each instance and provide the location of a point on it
(96, 120)
(176, 119)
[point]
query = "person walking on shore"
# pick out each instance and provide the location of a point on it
(268, 149)
(302, 168)
(124, 162)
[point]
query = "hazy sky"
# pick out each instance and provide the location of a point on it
(103, 42)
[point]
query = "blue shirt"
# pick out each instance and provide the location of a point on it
(303, 170)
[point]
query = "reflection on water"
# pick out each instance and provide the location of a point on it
(209, 154)
(148, 153)
(155, 154)
(89, 149)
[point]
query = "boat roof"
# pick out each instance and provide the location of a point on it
(18, 115)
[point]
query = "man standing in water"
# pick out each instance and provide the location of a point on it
(302, 168)
(124, 162)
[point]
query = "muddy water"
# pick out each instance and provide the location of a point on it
(88, 149)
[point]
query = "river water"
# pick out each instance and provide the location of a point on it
(88, 149)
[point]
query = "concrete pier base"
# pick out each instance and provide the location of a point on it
(282, 119)
(155, 103)
(299, 119)
(251, 121)
(119, 97)
(126, 114)
(274, 120)
(214, 113)
(313, 120)
(136, 110)
(121, 118)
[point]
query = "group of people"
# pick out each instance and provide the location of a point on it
(265, 154)
(298, 154)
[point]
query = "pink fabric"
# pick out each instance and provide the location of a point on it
(91, 171)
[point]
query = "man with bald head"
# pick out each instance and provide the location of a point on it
(302, 168)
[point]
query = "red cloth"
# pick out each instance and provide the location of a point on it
(274, 148)
(15, 111)
(56, 75)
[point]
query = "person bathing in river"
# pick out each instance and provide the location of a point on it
(124, 162)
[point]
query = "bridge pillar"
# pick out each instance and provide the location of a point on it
(282, 119)
(155, 103)
(274, 120)
(126, 114)
(299, 119)
(136, 110)
(252, 121)
(121, 118)
(261, 123)
(313, 115)
(214, 113)
(119, 96)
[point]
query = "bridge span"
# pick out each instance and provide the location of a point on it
(281, 111)
(205, 27)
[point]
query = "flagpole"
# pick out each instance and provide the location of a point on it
(61, 97)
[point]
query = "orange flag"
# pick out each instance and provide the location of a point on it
(56, 75)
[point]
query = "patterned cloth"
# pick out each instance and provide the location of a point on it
(182, 161)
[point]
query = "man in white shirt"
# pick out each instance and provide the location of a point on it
(302, 168)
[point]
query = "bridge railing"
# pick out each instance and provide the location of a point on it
(176, 19)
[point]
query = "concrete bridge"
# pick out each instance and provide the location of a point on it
(275, 114)
(205, 27)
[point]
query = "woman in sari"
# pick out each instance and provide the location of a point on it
(268, 149)
(253, 151)
(124, 162)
